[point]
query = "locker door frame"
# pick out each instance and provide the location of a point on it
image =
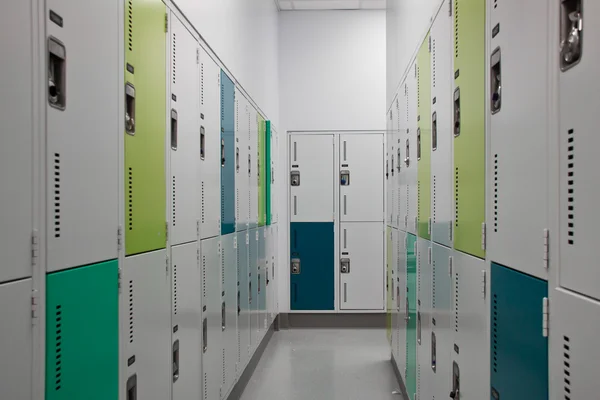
(242, 177)
(423, 63)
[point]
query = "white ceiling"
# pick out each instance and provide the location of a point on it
(291, 5)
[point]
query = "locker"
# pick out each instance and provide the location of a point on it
(268, 171)
(262, 188)
(229, 310)
(387, 182)
(269, 269)
(401, 154)
(186, 317)
(471, 316)
(424, 139)
(82, 333)
(441, 129)
(469, 125)
(410, 151)
(184, 134)
(145, 98)
(242, 167)
(393, 288)
(424, 323)
(82, 124)
(17, 150)
(253, 166)
(577, 145)
(400, 326)
(391, 175)
(361, 275)
(146, 333)
(396, 135)
(274, 274)
(253, 286)
(212, 322)
(274, 175)
(410, 317)
(389, 279)
(519, 350)
(312, 266)
(210, 147)
(361, 157)
(243, 321)
(442, 322)
(575, 359)
(227, 155)
(311, 178)
(262, 282)
(16, 350)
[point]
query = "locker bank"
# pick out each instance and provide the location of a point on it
(299, 199)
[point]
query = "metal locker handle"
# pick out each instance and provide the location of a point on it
(175, 361)
(455, 393)
(131, 387)
(223, 316)
(222, 152)
(433, 352)
(496, 82)
(239, 309)
(418, 144)
(174, 129)
(57, 76)
(407, 315)
(249, 165)
(250, 292)
(130, 109)
(571, 33)
(457, 112)
(398, 163)
(202, 143)
(407, 152)
(237, 159)
(204, 335)
(419, 327)
(434, 132)
(295, 151)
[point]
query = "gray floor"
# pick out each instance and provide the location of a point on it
(324, 364)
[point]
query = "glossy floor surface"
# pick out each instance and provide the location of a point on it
(324, 364)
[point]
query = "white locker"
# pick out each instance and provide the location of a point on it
(471, 317)
(410, 150)
(312, 178)
(442, 134)
(210, 147)
(212, 357)
(253, 166)
(578, 140)
(424, 312)
(16, 348)
(243, 320)
(242, 167)
(361, 266)
(520, 120)
(83, 131)
(574, 356)
(184, 134)
(397, 164)
(262, 282)
(361, 160)
(186, 309)
(229, 310)
(400, 345)
(147, 330)
(401, 154)
(17, 161)
(389, 182)
(253, 288)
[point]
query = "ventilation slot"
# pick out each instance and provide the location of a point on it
(174, 56)
(407, 100)
(130, 199)
(434, 207)
(203, 201)
(418, 86)
(456, 197)
(130, 311)
(57, 195)
(456, 289)
(130, 23)
(58, 351)
(237, 204)
(567, 366)
(456, 21)
(222, 202)
(223, 268)
(419, 198)
(202, 83)
(407, 200)
(175, 289)
(571, 186)
(433, 52)
(174, 201)
(205, 386)
(495, 192)
(203, 276)
(223, 366)
(239, 353)
(495, 333)
(433, 284)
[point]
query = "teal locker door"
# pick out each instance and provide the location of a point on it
(82, 333)
(411, 310)
(227, 155)
(519, 351)
(312, 284)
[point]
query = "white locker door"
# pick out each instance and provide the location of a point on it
(410, 150)
(187, 321)
(229, 287)
(252, 166)
(424, 328)
(16, 348)
(83, 127)
(443, 318)
(393, 181)
(442, 136)
(17, 159)
(184, 134)
(397, 165)
(147, 325)
(362, 157)
(388, 179)
(242, 173)
(311, 161)
(212, 357)
(361, 246)
(210, 147)
(578, 143)
(243, 320)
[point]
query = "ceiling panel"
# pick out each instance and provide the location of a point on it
(291, 5)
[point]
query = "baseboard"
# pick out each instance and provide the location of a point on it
(308, 320)
(399, 378)
(238, 388)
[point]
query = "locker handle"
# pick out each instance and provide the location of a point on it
(202, 143)
(237, 159)
(222, 152)
(387, 169)
(249, 165)
(345, 266)
(419, 327)
(457, 112)
(496, 82)
(175, 361)
(398, 164)
(204, 335)
(393, 169)
(407, 315)
(418, 144)
(130, 109)
(571, 33)
(407, 152)
(258, 283)
(250, 292)
(131, 387)
(57, 76)
(223, 308)
(433, 352)
(239, 309)
(434, 132)
(174, 129)
(455, 393)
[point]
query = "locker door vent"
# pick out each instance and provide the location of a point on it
(131, 315)
(567, 366)
(222, 203)
(456, 291)
(407, 199)
(418, 86)
(57, 207)
(223, 366)
(174, 55)
(433, 59)
(434, 204)
(130, 198)
(204, 277)
(205, 385)
(174, 201)
(237, 204)
(418, 200)
(58, 351)
(130, 23)
(495, 192)
(175, 285)
(456, 23)
(495, 333)
(202, 201)
(202, 83)
(433, 284)
(407, 100)
(456, 197)
(239, 352)
(571, 186)
(419, 274)
(223, 268)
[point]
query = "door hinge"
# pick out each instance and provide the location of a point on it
(429, 255)
(166, 22)
(197, 55)
(35, 301)
(546, 258)
(483, 234)
(450, 8)
(35, 247)
(119, 238)
(120, 280)
(450, 261)
(429, 226)
(483, 283)
(545, 314)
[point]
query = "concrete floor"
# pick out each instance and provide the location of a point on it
(324, 364)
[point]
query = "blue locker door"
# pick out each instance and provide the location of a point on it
(519, 352)
(312, 284)
(227, 155)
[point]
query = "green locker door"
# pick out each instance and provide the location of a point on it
(411, 325)
(82, 333)
(469, 125)
(262, 191)
(268, 165)
(424, 138)
(145, 93)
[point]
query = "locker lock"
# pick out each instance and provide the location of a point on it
(295, 266)
(345, 178)
(496, 82)
(457, 112)
(571, 27)
(57, 60)
(345, 266)
(407, 152)
(295, 178)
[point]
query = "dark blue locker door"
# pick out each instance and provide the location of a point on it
(227, 155)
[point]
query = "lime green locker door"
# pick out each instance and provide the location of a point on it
(262, 190)
(469, 125)
(145, 94)
(269, 170)
(82, 333)
(411, 311)
(424, 138)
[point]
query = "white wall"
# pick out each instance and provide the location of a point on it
(332, 77)
(244, 35)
